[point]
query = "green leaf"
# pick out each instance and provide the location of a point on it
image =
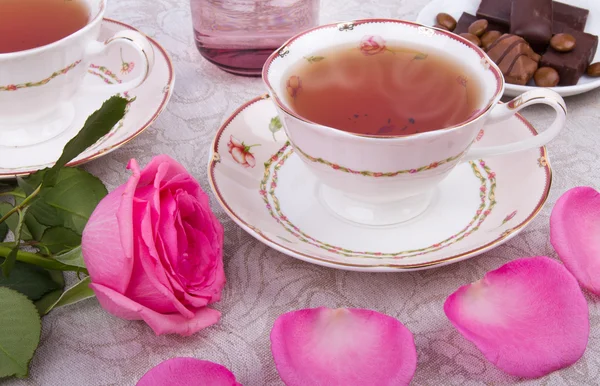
(59, 239)
(72, 257)
(9, 262)
(95, 127)
(28, 184)
(44, 305)
(274, 126)
(31, 281)
(34, 229)
(76, 293)
(11, 259)
(13, 221)
(3, 231)
(21, 329)
(71, 201)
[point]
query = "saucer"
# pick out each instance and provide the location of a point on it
(267, 190)
(457, 7)
(115, 67)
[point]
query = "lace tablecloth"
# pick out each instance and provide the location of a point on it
(83, 345)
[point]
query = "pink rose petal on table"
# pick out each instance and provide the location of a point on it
(188, 372)
(575, 234)
(347, 347)
(528, 317)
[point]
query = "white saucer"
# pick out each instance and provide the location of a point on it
(457, 7)
(150, 99)
(271, 194)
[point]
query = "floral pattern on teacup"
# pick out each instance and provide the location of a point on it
(372, 45)
(509, 217)
(15, 87)
(126, 67)
(240, 152)
(294, 86)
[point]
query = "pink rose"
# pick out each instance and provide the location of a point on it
(372, 45)
(154, 250)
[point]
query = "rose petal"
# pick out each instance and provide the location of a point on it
(125, 308)
(188, 372)
(149, 284)
(173, 169)
(238, 155)
(528, 317)
(102, 237)
(347, 347)
(575, 234)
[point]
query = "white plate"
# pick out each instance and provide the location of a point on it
(151, 98)
(457, 7)
(273, 197)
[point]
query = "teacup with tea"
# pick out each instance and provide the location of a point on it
(45, 49)
(381, 111)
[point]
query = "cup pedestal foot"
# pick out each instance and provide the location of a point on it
(363, 212)
(37, 129)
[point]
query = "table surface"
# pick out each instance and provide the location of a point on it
(83, 345)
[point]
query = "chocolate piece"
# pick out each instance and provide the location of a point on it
(479, 27)
(447, 21)
(466, 19)
(532, 20)
(568, 15)
(440, 27)
(497, 11)
(472, 38)
(594, 70)
(563, 42)
(546, 77)
(489, 37)
(572, 65)
(517, 61)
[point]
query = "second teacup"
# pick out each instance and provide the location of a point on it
(383, 110)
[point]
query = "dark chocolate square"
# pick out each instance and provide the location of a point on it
(574, 17)
(572, 65)
(466, 19)
(532, 20)
(497, 11)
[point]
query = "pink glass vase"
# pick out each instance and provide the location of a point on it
(239, 35)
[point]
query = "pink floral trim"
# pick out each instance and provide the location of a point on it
(15, 87)
(126, 67)
(268, 186)
(368, 173)
(509, 217)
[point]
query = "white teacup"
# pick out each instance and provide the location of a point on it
(387, 180)
(37, 85)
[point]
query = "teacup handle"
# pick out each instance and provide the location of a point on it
(505, 111)
(135, 40)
